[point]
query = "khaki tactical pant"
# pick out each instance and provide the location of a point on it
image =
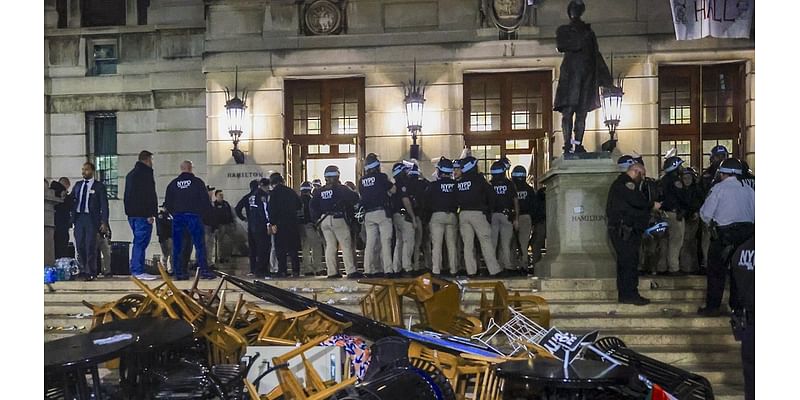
(312, 249)
(524, 231)
(474, 223)
(444, 226)
(403, 243)
(676, 231)
(378, 229)
(337, 233)
(502, 230)
(688, 258)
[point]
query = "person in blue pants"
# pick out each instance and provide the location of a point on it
(187, 200)
(141, 207)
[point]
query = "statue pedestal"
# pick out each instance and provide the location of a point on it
(577, 238)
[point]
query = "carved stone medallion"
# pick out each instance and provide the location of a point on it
(323, 17)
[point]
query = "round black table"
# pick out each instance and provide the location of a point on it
(154, 333)
(157, 337)
(78, 353)
(546, 378)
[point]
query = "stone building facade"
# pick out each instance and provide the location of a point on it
(325, 85)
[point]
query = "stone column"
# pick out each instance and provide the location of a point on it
(50, 200)
(577, 242)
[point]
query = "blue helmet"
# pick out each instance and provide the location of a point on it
(498, 168)
(719, 150)
(625, 162)
(398, 168)
(672, 163)
(468, 164)
(519, 172)
(657, 230)
(445, 166)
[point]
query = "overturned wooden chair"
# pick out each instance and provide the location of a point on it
(123, 308)
(315, 388)
(495, 300)
(383, 302)
(439, 304)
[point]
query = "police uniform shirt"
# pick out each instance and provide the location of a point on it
(627, 205)
(187, 194)
(504, 192)
(401, 190)
(675, 195)
(256, 208)
(526, 197)
(442, 195)
(474, 193)
(417, 188)
(305, 198)
(374, 189)
(730, 201)
(332, 200)
(283, 205)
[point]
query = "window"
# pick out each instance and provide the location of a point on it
(101, 137)
(103, 57)
(324, 125)
(141, 11)
(61, 9)
(506, 114)
(102, 12)
(700, 106)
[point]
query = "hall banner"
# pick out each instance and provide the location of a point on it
(696, 19)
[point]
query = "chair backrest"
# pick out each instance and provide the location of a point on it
(225, 344)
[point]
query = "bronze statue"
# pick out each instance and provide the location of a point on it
(582, 73)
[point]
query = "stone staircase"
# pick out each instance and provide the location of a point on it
(667, 329)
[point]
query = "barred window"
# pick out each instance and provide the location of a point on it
(101, 138)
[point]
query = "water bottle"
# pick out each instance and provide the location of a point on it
(333, 367)
(49, 276)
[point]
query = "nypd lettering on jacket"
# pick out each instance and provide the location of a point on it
(326, 194)
(183, 184)
(747, 259)
(501, 189)
(464, 186)
(447, 187)
(368, 181)
(522, 195)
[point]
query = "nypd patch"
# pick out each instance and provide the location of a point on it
(630, 185)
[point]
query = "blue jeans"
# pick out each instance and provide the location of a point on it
(192, 222)
(142, 230)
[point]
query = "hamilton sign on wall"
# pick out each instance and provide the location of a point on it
(323, 17)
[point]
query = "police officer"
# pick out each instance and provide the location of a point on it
(441, 199)
(417, 185)
(375, 189)
(283, 206)
(258, 240)
(743, 264)
(312, 242)
(628, 212)
(475, 199)
(689, 253)
(504, 213)
(719, 153)
(729, 211)
(675, 205)
(187, 200)
(526, 199)
(405, 222)
(653, 251)
(331, 206)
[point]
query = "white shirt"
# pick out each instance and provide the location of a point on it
(90, 182)
(729, 202)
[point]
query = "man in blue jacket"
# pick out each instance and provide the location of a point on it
(141, 207)
(90, 215)
(187, 200)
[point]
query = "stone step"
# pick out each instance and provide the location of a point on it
(634, 337)
(645, 282)
(728, 392)
(682, 355)
(591, 321)
(719, 374)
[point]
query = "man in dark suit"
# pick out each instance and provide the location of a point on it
(89, 216)
(283, 206)
(141, 207)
